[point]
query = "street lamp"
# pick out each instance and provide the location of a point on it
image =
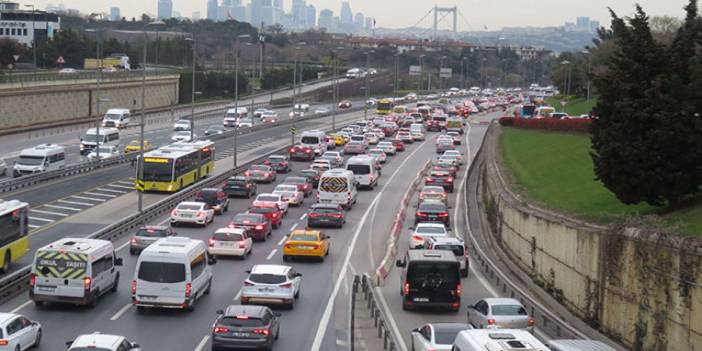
(98, 56)
(335, 87)
(566, 82)
(463, 72)
(298, 46)
(441, 79)
(394, 88)
(421, 73)
(192, 102)
(236, 96)
(365, 105)
(34, 39)
(589, 57)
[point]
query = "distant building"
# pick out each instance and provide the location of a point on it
(594, 25)
(176, 14)
(326, 18)
(336, 25)
(358, 21)
(582, 23)
(369, 24)
(212, 10)
(17, 24)
(299, 13)
(115, 14)
(528, 53)
(311, 17)
(346, 16)
(195, 16)
(165, 9)
(262, 11)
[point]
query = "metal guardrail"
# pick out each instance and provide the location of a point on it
(80, 75)
(379, 319)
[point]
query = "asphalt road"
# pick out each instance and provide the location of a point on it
(316, 323)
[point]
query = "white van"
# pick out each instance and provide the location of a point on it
(172, 272)
(74, 270)
(233, 115)
(107, 137)
(337, 186)
(41, 158)
(117, 117)
(365, 170)
(353, 73)
(497, 339)
(417, 128)
(315, 139)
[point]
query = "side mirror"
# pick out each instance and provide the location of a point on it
(118, 261)
(400, 263)
(135, 346)
(297, 275)
(211, 260)
(415, 330)
(69, 343)
(219, 312)
(248, 271)
(449, 229)
(411, 228)
(277, 314)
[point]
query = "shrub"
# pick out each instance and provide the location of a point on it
(506, 121)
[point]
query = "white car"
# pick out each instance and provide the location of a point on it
(436, 336)
(290, 193)
(454, 153)
(230, 242)
(372, 138)
(182, 124)
(269, 114)
(302, 107)
(183, 136)
(103, 342)
(424, 230)
(379, 133)
(336, 155)
(245, 123)
(192, 212)
(271, 284)
(321, 110)
(17, 332)
(263, 200)
(105, 152)
(68, 71)
(378, 154)
(387, 147)
(417, 135)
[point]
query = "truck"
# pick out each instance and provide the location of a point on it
(118, 61)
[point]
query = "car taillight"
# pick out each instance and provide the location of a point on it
(4, 342)
(211, 242)
(231, 225)
(428, 179)
(491, 322)
(242, 244)
(188, 289)
(286, 285)
(134, 240)
(87, 282)
(275, 215)
(32, 280)
(531, 322)
(259, 227)
(337, 215)
(308, 151)
(134, 286)
(266, 174)
(266, 162)
(421, 214)
(248, 283)
(220, 330)
(417, 238)
(459, 290)
(443, 214)
(173, 213)
(265, 332)
(449, 179)
(313, 215)
(305, 187)
(247, 173)
(406, 289)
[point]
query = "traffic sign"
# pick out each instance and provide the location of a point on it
(140, 185)
(16, 57)
(445, 73)
(60, 60)
(563, 103)
(293, 130)
(415, 70)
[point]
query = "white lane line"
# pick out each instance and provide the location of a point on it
(203, 342)
(33, 226)
(98, 194)
(18, 308)
(324, 322)
(125, 182)
(370, 237)
(164, 221)
(60, 214)
(238, 294)
(122, 246)
(303, 216)
(75, 203)
(282, 240)
(88, 198)
(41, 219)
(63, 207)
(121, 186)
(270, 255)
(293, 227)
(121, 312)
(112, 191)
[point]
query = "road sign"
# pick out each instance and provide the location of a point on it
(293, 130)
(60, 60)
(415, 70)
(563, 103)
(16, 57)
(140, 185)
(445, 73)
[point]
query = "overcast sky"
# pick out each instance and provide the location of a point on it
(475, 14)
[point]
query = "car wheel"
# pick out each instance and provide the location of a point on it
(277, 334)
(464, 272)
(286, 258)
(406, 306)
(93, 300)
(226, 208)
(413, 349)
(132, 251)
(39, 304)
(37, 339)
(297, 294)
(115, 284)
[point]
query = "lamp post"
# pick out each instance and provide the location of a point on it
(335, 85)
(297, 48)
(394, 87)
(589, 57)
(441, 79)
(365, 104)
(34, 39)
(421, 73)
(463, 72)
(98, 56)
(236, 97)
(192, 102)
(565, 77)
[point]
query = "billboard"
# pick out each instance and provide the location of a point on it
(445, 73)
(415, 70)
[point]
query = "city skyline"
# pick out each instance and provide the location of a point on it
(492, 15)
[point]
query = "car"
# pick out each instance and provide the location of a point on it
(230, 242)
(312, 174)
(269, 114)
(440, 178)
(280, 163)
(501, 313)
(239, 186)
(405, 137)
(257, 225)
(430, 279)
(335, 157)
(301, 152)
(192, 212)
(290, 193)
(454, 159)
(443, 145)
(273, 213)
(378, 132)
(135, 146)
(303, 184)
(372, 138)
(259, 112)
(247, 122)
(302, 243)
(261, 173)
(436, 336)
(271, 284)
(18, 332)
(268, 199)
(181, 125)
(339, 139)
(432, 211)
(183, 136)
(321, 165)
(105, 152)
(110, 70)
(387, 147)
(417, 135)
(216, 198)
(354, 148)
(322, 215)
(378, 154)
(321, 110)
(344, 104)
(455, 245)
(455, 153)
(68, 71)
(270, 119)
(214, 130)
(447, 166)
(147, 235)
(422, 231)
(247, 327)
(433, 193)
(102, 342)
(399, 145)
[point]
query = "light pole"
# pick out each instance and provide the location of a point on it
(589, 57)
(34, 39)
(565, 77)
(236, 97)
(421, 73)
(98, 56)
(192, 102)
(297, 48)
(335, 87)
(463, 72)
(365, 105)
(394, 87)
(441, 79)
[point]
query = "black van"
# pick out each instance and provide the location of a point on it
(430, 278)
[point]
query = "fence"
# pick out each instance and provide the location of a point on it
(379, 319)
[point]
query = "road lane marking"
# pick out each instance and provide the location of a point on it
(121, 312)
(75, 203)
(60, 214)
(18, 308)
(126, 182)
(122, 246)
(303, 216)
(63, 208)
(33, 226)
(293, 227)
(282, 240)
(111, 191)
(203, 342)
(31, 218)
(121, 186)
(88, 198)
(370, 237)
(270, 255)
(238, 294)
(326, 315)
(98, 194)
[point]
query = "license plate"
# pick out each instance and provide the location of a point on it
(241, 334)
(326, 201)
(46, 289)
(226, 244)
(421, 299)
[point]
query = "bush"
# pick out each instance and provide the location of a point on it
(506, 121)
(577, 125)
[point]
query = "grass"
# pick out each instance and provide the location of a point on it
(556, 170)
(575, 107)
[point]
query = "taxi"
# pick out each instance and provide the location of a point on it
(306, 243)
(135, 146)
(339, 139)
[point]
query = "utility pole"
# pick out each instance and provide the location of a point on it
(421, 73)
(365, 105)
(236, 97)
(192, 91)
(34, 38)
(464, 61)
(394, 86)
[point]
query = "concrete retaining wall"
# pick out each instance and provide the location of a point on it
(60, 103)
(640, 287)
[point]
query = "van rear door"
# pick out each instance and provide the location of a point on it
(60, 274)
(161, 282)
(433, 282)
(334, 190)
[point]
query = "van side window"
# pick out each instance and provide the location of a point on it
(57, 157)
(197, 266)
(112, 137)
(102, 265)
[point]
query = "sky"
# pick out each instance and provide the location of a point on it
(474, 14)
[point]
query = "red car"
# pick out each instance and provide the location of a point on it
(299, 152)
(304, 184)
(273, 213)
(440, 178)
(345, 104)
(257, 224)
(399, 145)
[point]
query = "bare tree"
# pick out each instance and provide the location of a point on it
(664, 28)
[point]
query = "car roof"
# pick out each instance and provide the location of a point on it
(97, 339)
(270, 269)
(431, 255)
(228, 230)
(502, 301)
(429, 224)
(245, 310)
(4, 317)
(193, 203)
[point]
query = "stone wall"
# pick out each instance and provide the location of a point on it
(53, 104)
(640, 287)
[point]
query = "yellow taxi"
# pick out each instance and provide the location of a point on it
(339, 139)
(306, 243)
(135, 145)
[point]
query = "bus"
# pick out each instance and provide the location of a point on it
(173, 167)
(14, 230)
(384, 107)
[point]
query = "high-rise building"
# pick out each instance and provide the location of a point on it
(358, 21)
(346, 16)
(311, 18)
(594, 25)
(115, 14)
(299, 13)
(336, 26)
(212, 10)
(369, 24)
(165, 9)
(583, 23)
(278, 4)
(326, 18)
(267, 14)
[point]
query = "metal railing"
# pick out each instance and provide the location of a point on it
(379, 319)
(50, 76)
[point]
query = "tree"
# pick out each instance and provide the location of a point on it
(8, 49)
(664, 28)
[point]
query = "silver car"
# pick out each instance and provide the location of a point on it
(354, 147)
(387, 147)
(501, 313)
(271, 284)
(436, 336)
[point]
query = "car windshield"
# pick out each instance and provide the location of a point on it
(247, 218)
(431, 230)
(183, 134)
(30, 160)
(93, 138)
(267, 278)
(268, 198)
(241, 322)
(448, 335)
(508, 310)
(432, 189)
(325, 210)
(262, 210)
(295, 180)
(208, 196)
(303, 237)
(286, 188)
(310, 140)
(227, 237)
(432, 207)
(112, 116)
(359, 169)
(236, 182)
(189, 207)
(259, 168)
(161, 272)
(105, 150)
(276, 158)
(457, 249)
(152, 233)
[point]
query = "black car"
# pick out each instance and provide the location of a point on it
(239, 186)
(430, 278)
(326, 215)
(303, 184)
(245, 327)
(312, 174)
(432, 211)
(215, 198)
(214, 130)
(440, 178)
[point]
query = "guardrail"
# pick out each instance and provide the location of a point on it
(47, 76)
(379, 319)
